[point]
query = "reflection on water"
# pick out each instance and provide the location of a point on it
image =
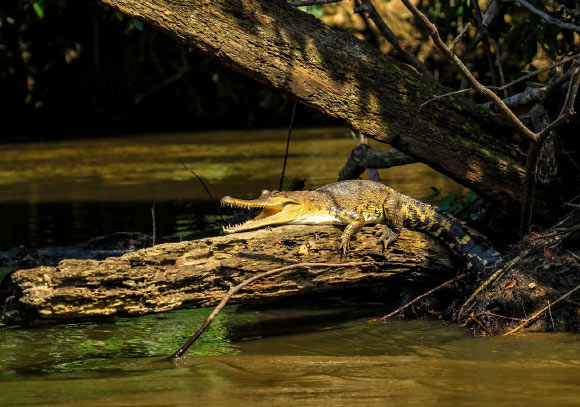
(63, 192)
(401, 363)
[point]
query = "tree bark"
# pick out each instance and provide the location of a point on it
(198, 273)
(348, 79)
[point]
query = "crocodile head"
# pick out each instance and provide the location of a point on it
(277, 208)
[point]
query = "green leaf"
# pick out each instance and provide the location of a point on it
(446, 202)
(38, 9)
(138, 24)
(120, 16)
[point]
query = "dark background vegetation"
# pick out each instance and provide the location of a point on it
(76, 69)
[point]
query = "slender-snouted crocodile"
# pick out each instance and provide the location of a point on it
(356, 203)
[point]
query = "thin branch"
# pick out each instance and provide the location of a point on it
(287, 145)
(312, 2)
(280, 270)
(431, 291)
(568, 108)
(484, 33)
(548, 18)
(457, 92)
(454, 43)
(539, 71)
(434, 33)
(500, 66)
(557, 83)
(385, 30)
(200, 181)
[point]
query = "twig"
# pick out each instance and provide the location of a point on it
(431, 291)
(567, 110)
(472, 317)
(179, 353)
(540, 312)
(500, 66)
(6, 302)
(557, 83)
(492, 10)
(385, 30)
(287, 145)
(153, 220)
(457, 92)
(548, 18)
(312, 2)
(200, 181)
(434, 33)
(539, 71)
(454, 43)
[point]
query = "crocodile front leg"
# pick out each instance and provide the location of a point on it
(355, 221)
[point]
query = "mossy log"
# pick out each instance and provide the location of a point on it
(198, 273)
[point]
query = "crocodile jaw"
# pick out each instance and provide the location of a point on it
(275, 212)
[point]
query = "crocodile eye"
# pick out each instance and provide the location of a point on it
(275, 193)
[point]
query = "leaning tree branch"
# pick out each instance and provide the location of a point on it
(363, 157)
(548, 18)
(368, 7)
(434, 33)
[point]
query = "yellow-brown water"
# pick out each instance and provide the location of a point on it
(294, 355)
(65, 192)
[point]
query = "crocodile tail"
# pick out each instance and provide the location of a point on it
(477, 253)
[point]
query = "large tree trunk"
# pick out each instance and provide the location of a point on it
(198, 273)
(349, 79)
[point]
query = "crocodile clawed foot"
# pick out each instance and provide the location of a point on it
(384, 235)
(344, 248)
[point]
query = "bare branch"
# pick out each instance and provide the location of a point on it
(500, 67)
(528, 96)
(568, 108)
(452, 46)
(434, 33)
(279, 271)
(457, 92)
(539, 71)
(363, 157)
(548, 18)
(367, 7)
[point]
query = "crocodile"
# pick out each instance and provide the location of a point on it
(356, 203)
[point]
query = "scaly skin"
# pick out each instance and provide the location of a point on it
(356, 203)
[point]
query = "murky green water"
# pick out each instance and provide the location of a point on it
(246, 360)
(65, 192)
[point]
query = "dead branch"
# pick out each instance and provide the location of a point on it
(369, 8)
(363, 157)
(426, 294)
(540, 312)
(548, 18)
(434, 33)
(232, 291)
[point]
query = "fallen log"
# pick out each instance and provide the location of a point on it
(198, 273)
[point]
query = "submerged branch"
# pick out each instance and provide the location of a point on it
(280, 271)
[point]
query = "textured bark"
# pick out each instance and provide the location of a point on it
(349, 79)
(198, 273)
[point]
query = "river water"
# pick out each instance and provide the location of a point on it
(289, 354)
